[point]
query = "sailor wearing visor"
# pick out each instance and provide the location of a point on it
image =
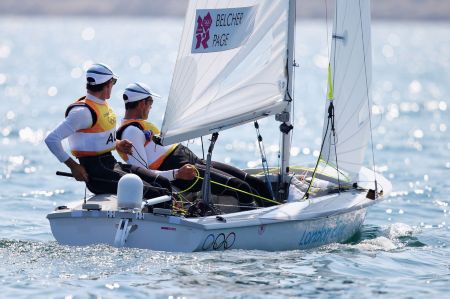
(90, 126)
(138, 99)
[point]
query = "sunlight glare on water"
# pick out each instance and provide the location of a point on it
(401, 251)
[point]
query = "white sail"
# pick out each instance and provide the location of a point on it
(231, 67)
(349, 89)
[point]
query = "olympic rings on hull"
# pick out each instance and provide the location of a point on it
(219, 242)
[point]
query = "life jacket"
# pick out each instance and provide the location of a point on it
(100, 137)
(156, 154)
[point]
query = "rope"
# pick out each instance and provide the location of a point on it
(242, 191)
(142, 161)
(181, 210)
(193, 184)
(198, 177)
(265, 165)
(318, 160)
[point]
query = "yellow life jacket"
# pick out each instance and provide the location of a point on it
(156, 154)
(100, 137)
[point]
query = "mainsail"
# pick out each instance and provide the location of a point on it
(348, 90)
(231, 67)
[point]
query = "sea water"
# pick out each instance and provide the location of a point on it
(402, 250)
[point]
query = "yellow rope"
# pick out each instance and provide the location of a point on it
(182, 211)
(242, 191)
(198, 177)
(193, 184)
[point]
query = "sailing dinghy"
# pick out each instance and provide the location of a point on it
(235, 65)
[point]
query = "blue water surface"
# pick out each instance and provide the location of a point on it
(402, 250)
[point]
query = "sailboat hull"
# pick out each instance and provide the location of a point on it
(298, 225)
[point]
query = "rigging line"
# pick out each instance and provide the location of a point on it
(306, 195)
(181, 197)
(143, 161)
(335, 145)
(331, 106)
(368, 99)
(193, 184)
(181, 210)
(237, 206)
(327, 161)
(241, 191)
(264, 162)
(347, 179)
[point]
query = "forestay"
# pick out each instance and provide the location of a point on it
(231, 67)
(349, 89)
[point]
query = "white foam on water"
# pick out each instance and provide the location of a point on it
(396, 230)
(377, 244)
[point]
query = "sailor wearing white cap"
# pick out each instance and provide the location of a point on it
(99, 73)
(138, 99)
(138, 91)
(90, 126)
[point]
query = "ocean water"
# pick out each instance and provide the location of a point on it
(402, 250)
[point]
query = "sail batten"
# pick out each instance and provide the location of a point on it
(230, 67)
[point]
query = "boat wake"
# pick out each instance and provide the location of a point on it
(393, 236)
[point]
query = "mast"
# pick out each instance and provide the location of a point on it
(285, 117)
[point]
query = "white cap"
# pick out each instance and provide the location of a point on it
(99, 73)
(138, 91)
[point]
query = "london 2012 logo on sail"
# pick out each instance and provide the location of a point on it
(222, 29)
(202, 32)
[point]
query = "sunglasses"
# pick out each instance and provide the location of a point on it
(113, 80)
(149, 100)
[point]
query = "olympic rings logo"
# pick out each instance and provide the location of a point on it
(219, 241)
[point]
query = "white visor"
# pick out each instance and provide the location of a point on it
(138, 91)
(99, 73)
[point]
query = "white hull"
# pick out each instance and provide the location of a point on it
(298, 225)
(160, 233)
